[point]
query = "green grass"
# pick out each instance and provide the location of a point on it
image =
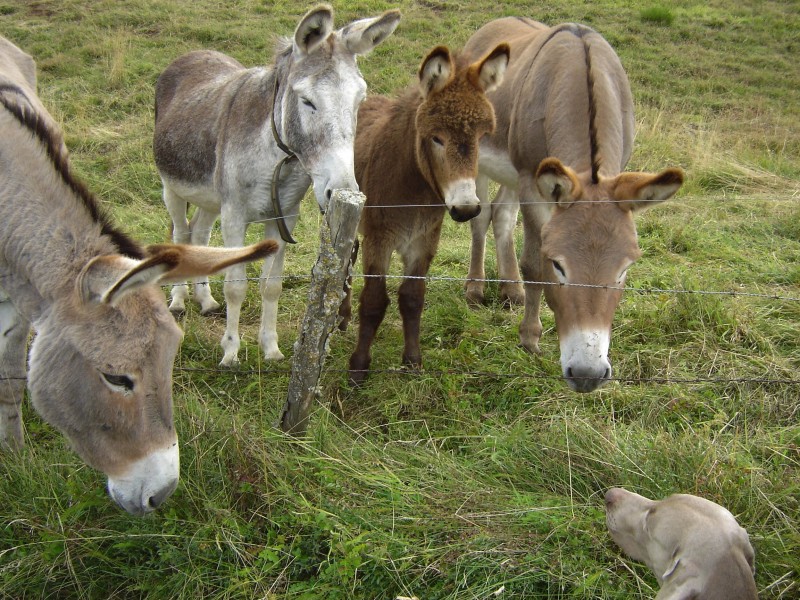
(481, 477)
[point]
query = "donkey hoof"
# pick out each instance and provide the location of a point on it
(413, 363)
(512, 297)
(229, 361)
(274, 354)
(475, 298)
(357, 378)
(212, 311)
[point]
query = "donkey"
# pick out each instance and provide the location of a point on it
(565, 130)
(420, 149)
(226, 138)
(101, 359)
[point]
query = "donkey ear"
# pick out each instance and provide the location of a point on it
(314, 29)
(556, 182)
(197, 261)
(637, 191)
(361, 36)
(436, 70)
(108, 278)
(487, 73)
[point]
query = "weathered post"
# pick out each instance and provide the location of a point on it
(325, 294)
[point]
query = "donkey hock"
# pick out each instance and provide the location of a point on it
(222, 135)
(101, 359)
(420, 149)
(564, 134)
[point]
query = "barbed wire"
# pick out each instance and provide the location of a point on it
(494, 375)
(648, 290)
(793, 199)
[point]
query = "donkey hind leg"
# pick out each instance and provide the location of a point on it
(201, 225)
(530, 329)
(372, 304)
(181, 234)
(505, 209)
(13, 341)
(479, 226)
(411, 296)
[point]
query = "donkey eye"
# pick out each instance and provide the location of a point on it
(437, 140)
(119, 381)
(558, 268)
(308, 103)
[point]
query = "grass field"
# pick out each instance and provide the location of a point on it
(481, 477)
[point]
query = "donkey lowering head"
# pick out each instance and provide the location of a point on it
(101, 366)
(101, 360)
(588, 244)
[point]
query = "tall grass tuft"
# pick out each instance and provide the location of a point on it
(660, 15)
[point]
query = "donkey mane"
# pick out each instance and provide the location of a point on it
(50, 141)
(594, 145)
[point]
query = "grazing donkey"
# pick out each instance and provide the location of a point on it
(101, 359)
(416, 157)
(564, 134)
(226, 136)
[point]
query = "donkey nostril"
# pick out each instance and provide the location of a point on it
(569, 372)
(328, 194)
(607, 373)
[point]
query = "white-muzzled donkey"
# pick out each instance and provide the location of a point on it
(564, 135)
(100, 366)
(226, 138)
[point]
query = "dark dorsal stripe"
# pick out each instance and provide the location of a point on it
(581, 31)
(594, 144)
(51, 144)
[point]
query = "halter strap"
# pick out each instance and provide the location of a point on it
(290, 156)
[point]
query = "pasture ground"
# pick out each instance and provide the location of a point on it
(483, 476)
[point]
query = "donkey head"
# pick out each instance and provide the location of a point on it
(590, 240)
(101, 366)
(323, 89)
(452, 118)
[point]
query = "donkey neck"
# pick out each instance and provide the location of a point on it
(47, 231)
(402, 136)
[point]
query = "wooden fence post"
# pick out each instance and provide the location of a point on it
(325, 294)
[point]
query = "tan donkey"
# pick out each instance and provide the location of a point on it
(564, 134)
(100, 366)
(417, 158)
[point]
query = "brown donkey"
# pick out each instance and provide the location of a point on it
(101, 360)
(564, 134)
(415, 158)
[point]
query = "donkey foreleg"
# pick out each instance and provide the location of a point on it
(479, 226)
(270, 286)
(411, 295)
(13, 340)
(530, 329)
(234, 288)
(505, 209)
(372, 304)
(410, 300)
